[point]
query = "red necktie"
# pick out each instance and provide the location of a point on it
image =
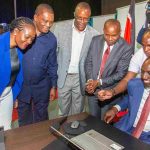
(143, 118)
(104, 60)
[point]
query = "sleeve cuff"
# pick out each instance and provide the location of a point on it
(118, 107)
(100, 80)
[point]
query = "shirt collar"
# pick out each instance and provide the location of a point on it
(42, 34)
(107, 45)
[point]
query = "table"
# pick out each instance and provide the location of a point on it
(37, 136)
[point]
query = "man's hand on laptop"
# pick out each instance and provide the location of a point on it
(110, 114)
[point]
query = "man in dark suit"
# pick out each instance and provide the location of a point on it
(138, 92)
(106, 64)
(39, 70)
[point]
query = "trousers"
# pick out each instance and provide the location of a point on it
(6, 108)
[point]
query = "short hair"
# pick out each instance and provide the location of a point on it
(146, 34)
(82, 5)
(112, 22)
(20, 22)
(41, 7)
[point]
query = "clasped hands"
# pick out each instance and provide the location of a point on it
(102, 95)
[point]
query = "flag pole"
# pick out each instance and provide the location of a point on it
(129, 34)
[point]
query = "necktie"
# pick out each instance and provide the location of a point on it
(143, 118)
(104, 60)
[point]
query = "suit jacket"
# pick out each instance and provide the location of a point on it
(5, 66)
(132, 102)
(63, 33)
(116, 66)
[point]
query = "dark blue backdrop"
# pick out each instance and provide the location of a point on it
(63, 8)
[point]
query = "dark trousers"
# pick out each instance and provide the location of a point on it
(32, 112)
(94, 106)
(98, 109)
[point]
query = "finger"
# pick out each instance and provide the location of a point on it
(109, 119)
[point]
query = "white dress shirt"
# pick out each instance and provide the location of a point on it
(77, 43)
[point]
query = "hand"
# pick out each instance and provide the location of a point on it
(110, 114)
(91, 85)
(52, 94)
(105, 94)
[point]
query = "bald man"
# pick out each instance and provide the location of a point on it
(106, 64)
(73, 39)
(136, 102)
(133, 70)
(40, 70)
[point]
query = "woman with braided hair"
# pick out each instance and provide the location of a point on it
(21, 35)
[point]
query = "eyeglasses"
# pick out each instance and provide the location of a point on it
(80, 19)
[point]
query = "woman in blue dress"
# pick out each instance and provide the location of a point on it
(12, 43)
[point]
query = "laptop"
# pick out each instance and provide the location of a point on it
(92, 140)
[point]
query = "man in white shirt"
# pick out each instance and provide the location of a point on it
(134, 69)
(138, 92)
(74, 38)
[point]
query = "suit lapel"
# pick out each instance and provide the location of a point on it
(86, 41)
(69, 39)
(100, 53)
(135, 104)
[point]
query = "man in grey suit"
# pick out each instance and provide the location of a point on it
(74, 38)
(106, 64)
